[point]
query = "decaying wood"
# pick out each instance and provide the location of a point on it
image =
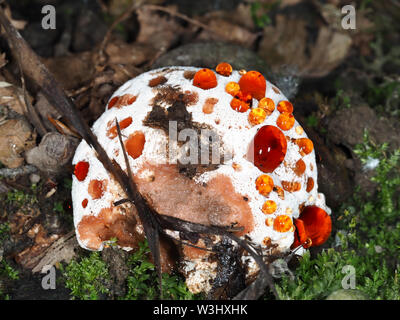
(62, 249)
(153, 223)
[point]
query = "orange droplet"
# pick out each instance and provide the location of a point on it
(246, 97)
(84, 203)
(113, 102)
(299, 168)
(119, 102)
(257, 116)
(285, 121)
(135, 143)
(292, 186)
(285, 106)
(112, 132)
(254, 83)
(306, 145)
(239, 105)
(224, 69)
(310, 184)
(81, 170)
(264, 184)
(96, 188)
(205, 79)
(269, 207)
(317, 224)
(269, 222)
(283, 223)
(232, 88)
(267, 104)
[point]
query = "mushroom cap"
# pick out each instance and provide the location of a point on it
(139, 104)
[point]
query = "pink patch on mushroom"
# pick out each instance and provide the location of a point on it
(96, 188)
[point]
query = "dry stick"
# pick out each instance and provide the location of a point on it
(32, 115)
(150, 219)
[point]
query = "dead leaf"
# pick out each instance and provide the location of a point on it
(120, 52)
(12, 97)
(16, 137)
(72, 70)
(227, 31)
(286, 44)
(159, 31)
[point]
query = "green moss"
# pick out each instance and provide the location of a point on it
(87, 278)
(142, 281)
(368, 239)
(20, 198)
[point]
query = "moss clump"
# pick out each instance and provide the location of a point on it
(367, 239)
(142, 281)
(87, 278)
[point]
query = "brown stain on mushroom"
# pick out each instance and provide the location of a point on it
(209, 104)
(216, 203)
(109, 223)
(97, 188)
(157, 81)
(310, 184)
(291, 186)
(189, 75)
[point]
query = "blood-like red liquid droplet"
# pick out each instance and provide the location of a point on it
(81, 170)
(268, 148)
(135, 143)
(317, 224)
(85, 203)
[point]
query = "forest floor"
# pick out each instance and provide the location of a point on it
(343, 83)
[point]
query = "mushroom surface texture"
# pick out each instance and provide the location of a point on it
(216, 147)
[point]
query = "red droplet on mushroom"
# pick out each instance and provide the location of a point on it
(268, 148)
(310, 184)
(254, 83)
(135, 143)
(113, 102)
(84, 203)
(96, 188)
(205, 79)
(112, 132)
(317, 226)
(81, 170)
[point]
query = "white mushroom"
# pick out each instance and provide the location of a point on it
(258, 174)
